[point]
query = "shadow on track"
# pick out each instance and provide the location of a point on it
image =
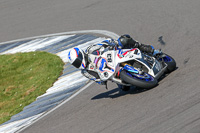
(115, 93)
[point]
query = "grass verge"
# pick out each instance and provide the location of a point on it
(24, 77)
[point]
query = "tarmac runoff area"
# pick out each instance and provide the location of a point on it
(68, 85)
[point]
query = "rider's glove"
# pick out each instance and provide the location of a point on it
(156, 52)
(111, 47)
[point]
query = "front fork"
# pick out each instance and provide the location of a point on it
(131, 69)
(127, 67)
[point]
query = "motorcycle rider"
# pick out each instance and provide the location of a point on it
(79, 58)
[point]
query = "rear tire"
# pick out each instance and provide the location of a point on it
(146, 82)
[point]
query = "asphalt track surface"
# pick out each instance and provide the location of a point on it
(173, 25)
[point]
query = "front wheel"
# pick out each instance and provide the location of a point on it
(144, 80)
(171, 63)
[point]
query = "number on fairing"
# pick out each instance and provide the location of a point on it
(109, 57)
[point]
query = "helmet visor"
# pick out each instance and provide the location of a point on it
(77, 63)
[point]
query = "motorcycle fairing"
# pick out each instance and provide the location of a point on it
(107, 64)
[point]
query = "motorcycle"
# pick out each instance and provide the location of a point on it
(131, 67)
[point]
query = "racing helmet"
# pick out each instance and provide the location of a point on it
(77, 58)
(124, 40)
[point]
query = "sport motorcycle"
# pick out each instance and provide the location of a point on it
(131, 67)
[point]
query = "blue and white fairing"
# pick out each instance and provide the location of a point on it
(107, 64)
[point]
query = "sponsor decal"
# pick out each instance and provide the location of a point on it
(103, 61)
(91, 67)
(120, 55)
(131, 56)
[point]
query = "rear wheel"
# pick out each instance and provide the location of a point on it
(144, 80)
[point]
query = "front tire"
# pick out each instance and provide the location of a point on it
(145, 81)
(171, 63)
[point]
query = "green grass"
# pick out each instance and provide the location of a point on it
(24, 77)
